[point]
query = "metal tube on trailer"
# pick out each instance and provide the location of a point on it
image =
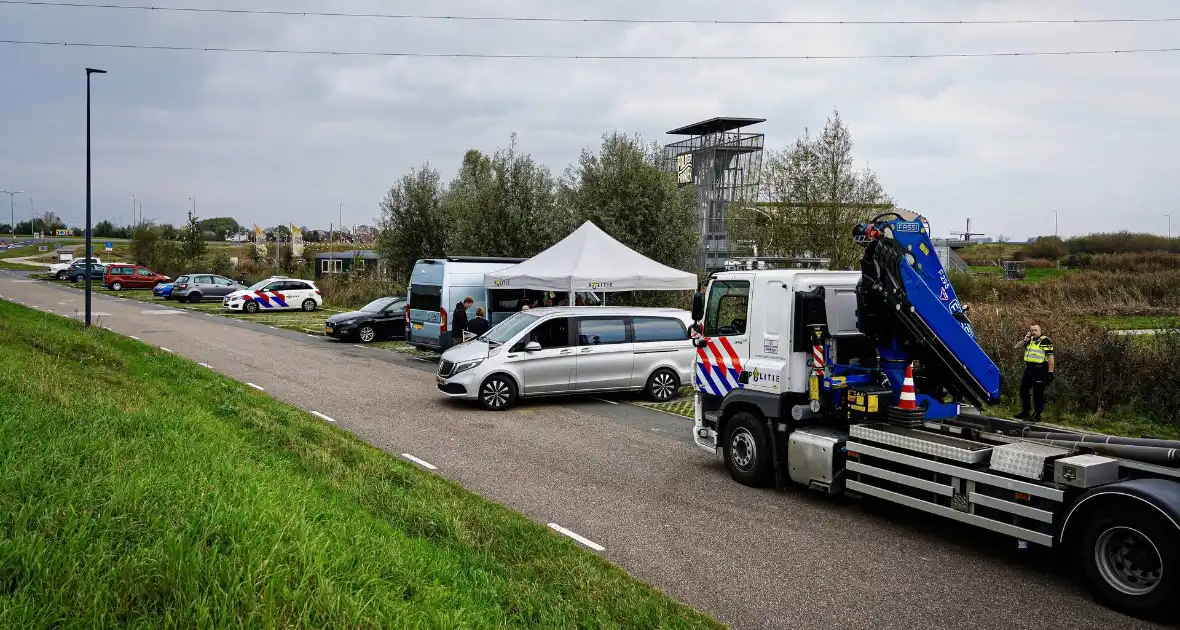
(1148, 454)
(1097, 438)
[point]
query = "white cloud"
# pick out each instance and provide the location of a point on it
(269, 138)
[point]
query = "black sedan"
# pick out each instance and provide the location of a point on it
(78, 273)
(383, 318)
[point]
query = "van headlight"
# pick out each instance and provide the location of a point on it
(466, 365)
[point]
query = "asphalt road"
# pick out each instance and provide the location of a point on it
(630, 480)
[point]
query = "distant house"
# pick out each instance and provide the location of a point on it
(346, 262)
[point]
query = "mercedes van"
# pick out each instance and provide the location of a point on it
(572, 350)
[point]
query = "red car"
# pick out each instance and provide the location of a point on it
(119, 277)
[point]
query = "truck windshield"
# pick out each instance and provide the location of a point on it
(725, 312)
(509, 328)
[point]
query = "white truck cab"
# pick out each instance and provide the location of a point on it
(754, 341)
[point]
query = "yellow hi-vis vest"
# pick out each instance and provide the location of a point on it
(1034, 353)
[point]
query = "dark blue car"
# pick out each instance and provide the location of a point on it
(78, 273)
(163, 290)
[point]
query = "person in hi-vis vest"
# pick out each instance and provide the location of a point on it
(1038, 372)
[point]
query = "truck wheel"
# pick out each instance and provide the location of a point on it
(747, 451)
(61, 275)
(1131, 559)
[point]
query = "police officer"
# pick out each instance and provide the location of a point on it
(1038, 372)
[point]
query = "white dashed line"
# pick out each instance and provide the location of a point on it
(205, 365)
(256, 387)
(585, 541)
(357, 345)
(165, 349)
(322, 416)
(606, 401)
(421, 462)
(133, 337)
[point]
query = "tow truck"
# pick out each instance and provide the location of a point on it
(871, 384)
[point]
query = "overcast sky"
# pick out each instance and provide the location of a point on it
(272, 138)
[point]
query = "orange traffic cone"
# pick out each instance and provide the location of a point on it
(908, 398)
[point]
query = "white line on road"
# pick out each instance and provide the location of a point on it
(205, 365)
(357, 345)
(320, 415)
(421, 462)
(606, 401)
(256, 387)
(165, 349)
(133, 337)
(585, 541)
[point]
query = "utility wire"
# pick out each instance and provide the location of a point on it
(364, 53)
(496, 18)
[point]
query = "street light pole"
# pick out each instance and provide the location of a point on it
(89, 246)
(11, 208)
(1054, 221)
(1169, 218)
(32, 217)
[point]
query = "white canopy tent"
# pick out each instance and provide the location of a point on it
(591, 260)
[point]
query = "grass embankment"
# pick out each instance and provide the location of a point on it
(12, 266)
(139, 489)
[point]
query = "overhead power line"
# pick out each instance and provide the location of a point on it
(457, 55)
(499, 18)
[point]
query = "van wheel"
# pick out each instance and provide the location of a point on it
(662, 385)
(1131, 559)
(746, 450)
(250, 307)
(497, 393)
(116, 286)
(308, 305)
(194, 297)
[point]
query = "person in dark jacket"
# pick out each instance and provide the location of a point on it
(459, 318)
(478, 325)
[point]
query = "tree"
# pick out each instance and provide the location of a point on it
(145, 241)
(502, 205)
(808, 199)
(624, 191)
(412, 223)
(104, 229)
(221, 226)
(192, 241)
(169, 232)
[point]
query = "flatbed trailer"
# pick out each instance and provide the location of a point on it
(803, 377)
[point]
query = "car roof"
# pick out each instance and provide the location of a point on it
(591, 311)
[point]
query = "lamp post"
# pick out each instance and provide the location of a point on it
(1169, 218)
(89, 246)
(1054, 222)
(11, 210)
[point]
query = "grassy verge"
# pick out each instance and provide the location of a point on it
(1137, 322)
(139, 489)
(12, 266)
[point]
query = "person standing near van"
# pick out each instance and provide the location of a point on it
(459, 319)
(478, 325)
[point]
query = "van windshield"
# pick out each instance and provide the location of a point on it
(509, 328)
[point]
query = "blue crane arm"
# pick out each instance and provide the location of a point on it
(906, 304)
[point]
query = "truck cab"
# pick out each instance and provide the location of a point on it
(758, 346)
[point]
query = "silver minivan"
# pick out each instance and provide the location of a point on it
(571, 350)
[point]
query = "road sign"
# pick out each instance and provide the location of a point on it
(43, 248)
(110, 246)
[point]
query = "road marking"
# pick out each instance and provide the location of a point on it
(605, 401)
(26, 281)
(205, 365)
(421, 462)
(357, 345)
(320, 415)
(160, 312)
(165, 349)
(133, 337)
(585, 541)
(256, 387)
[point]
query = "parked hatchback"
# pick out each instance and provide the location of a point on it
(119, 277)
(569, 350)
(196, 287)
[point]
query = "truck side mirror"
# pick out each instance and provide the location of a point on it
(700, 342)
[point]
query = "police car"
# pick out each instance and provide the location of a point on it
(275, 294)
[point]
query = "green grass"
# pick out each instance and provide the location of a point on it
(1032, 274)
(11, 266)
(138, 489)
(1137, 322)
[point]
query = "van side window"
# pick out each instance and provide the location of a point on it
(658, 329)
(595, 331)
(725, 312)
(553, 333)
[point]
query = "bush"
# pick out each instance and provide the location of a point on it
(355, 290)
(1122, 243)
(1096, 371)
(1144, 262)
(1082, 293)
(1040, 263)
(1048, 247)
